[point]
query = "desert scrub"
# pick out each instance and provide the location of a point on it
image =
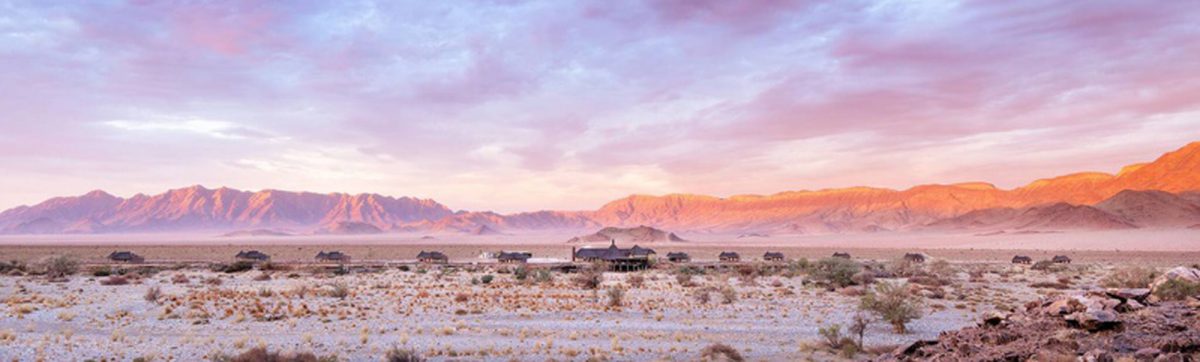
(339, 290)
(261, 354)
(721, 352)
(61, 266)
(1129, 277)
(893, 303)
(836, 272)
(636, 280)
(616, 297)
(402, 355)
(1176, 289)
(834, 340)
(728, 294)
(590, 278)
(152, 294)
(487, 279)
(114, 280)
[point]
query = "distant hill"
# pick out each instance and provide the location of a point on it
(255, 232)
(640, 234)
(350, 228)
(1159, 194)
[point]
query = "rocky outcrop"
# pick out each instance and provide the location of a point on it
(1191, 275)
(640, 234)
(1099, 325)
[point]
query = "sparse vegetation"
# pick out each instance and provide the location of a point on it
(616, 297)
(61, 266)
(836, 272)
(589, 278)
(834, 340)
(339, 290)
(1177, 289)
(893, 303)
(721, 352)
(487, 279)
(402, 355)
(261, 354)
(1131, 276)
(152, 294)
(114, 280)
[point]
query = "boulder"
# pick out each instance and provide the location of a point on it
(1181, 273)
(1146, 354)
(1065, 306)
(1126, 294)
(1130, 306)
(994, 319)
(1093, 321)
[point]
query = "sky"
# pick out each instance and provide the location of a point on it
(513, 105)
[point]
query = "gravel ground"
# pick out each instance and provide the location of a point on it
(771, 320)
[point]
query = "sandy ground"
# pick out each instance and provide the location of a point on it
(446, 316)
(449, 315)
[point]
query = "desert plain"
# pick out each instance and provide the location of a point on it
(190, 301)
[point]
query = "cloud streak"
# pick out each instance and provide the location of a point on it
(521, 105)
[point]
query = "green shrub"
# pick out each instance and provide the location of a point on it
(487, 279)
(521, 273)
(1177, 289)
(893, 303)
(836, 271)
(543, 276)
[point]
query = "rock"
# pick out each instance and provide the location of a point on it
(912, 349)
(1093, 321)
(1125, 294)
(1170, 357)
(994, 319)
(1130, 306)
(1180, 273)
(1064, 307)
(1097, 355)
(1146, 354)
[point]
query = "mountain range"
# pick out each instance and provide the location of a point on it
(1164, 193)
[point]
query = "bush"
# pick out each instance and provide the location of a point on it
(152, 294)
(114, 280)
(261, 354)
(589, 278)
(616, 297)
(101, 271)
(721, 352)
(836, 341)
(543, 276)
(943, 269)
(1176, 289)
(836, 271)
(893, 303)
(1130, 277)
(684, 280)
(61, 266)
(403, 355)
(238, 267)
(339, 290)
(636, 280)
(728, 294)
(1046, 265)
(487, 279)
